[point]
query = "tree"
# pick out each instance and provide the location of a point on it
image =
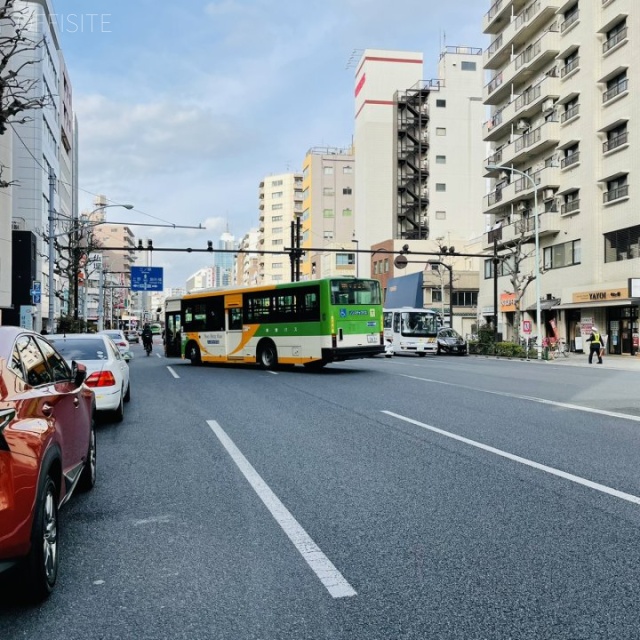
(514, 254)
(18, 93)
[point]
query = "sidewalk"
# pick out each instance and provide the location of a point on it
(625, 362)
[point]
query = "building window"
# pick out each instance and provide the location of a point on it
(441, 186)
(616, 138)
(328, 213)
(623, 244)
(571, 63)
(465, 299)
(571, 156)
(327, 170)
(276, 207)
(436, 295)
(277, 241)
(376, 267)
(441, 131)
(441, 215)
(441, 103)
(345, 259)
(276, 194)
(562, 255)
(347, 191)
(276, 183)
(276, 265)
(328, 191)
(615, 36)
(467, 66)
(570, 16)
(347, 169)
(328, 235)
(386, 265)
(277, 277)
(571, 202)
(617, 85)
(276, 218)
(571, 110)
(276, 230)
(616, 189)
(347, 213)
(441, 159)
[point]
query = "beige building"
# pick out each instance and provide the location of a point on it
(280, 203)
(328, 203)
(417, 148)
(248, 260)
(562, 102)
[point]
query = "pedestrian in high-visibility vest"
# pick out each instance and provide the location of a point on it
(596, 345)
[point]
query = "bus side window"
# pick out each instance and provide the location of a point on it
(235, 319)
(396, 323)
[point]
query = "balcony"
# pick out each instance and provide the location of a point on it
(497, 15)
(616, 142)
(524, 230)
(613, 195)
(532, 143)
(569, 22)
(619, 89)
(518, 31)
(614, 41)
(570, 67)
(570, 113)
(570, 208)
(527, 64)
(524, 106)
(570, 160)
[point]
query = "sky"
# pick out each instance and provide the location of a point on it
(184, 107)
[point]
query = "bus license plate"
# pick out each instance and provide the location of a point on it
(372, 339)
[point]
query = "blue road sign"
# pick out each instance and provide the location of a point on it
(146, 278)
(35, 297)
(36, 286)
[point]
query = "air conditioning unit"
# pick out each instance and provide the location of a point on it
(503, 175)
(547, 194)
(522, 125)
(547, 106)
(521, 206)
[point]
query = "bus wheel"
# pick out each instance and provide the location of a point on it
(267, 354)
(194, 354)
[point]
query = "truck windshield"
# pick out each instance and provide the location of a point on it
(415, 323)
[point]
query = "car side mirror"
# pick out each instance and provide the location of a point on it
(79, 373)
(127, 355)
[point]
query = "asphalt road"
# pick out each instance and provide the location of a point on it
(378, 499)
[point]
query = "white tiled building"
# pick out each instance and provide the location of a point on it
(562, 99)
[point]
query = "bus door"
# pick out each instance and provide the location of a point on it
(233, 313)
(173, 334)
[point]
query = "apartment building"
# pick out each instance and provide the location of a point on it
(280, 203)
(201, 279)
(418, 144)
(328, 203)
(248, 260)
(563, 146)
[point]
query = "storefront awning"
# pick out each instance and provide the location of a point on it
(545, 305)
(596, 305)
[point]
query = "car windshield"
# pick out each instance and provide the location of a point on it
(75, 349)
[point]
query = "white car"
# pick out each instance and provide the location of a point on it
(119, 338)
(107, 369)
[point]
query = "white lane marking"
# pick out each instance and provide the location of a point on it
(563, 405)
(158, 355)
(172, 372)
(275, 373)
(330, 577)
(530, 463)
(152, 520)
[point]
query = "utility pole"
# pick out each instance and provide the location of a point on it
(52, 249)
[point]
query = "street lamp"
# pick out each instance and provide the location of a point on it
(492, 167)
(436, 263)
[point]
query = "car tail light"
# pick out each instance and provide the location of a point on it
(6, 416)
(100, 379)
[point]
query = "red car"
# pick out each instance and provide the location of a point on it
(47, 450)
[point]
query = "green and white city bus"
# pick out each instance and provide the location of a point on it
(311, 323)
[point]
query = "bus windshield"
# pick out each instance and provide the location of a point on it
(415, 323)
(347, 292)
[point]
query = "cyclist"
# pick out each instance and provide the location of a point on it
(147, 338)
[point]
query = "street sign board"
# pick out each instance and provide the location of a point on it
(526, 326)
(146, 278)
(36, 286)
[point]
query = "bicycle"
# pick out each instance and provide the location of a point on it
(559, 348)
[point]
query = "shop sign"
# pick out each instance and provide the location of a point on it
(507, 302)
(599, 296)
(634, 287)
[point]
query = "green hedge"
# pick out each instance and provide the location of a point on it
(501, 349)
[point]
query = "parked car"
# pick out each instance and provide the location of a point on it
(120, 339)
(47, 450)
(133, 336)
(450, 341)
(107, 370)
